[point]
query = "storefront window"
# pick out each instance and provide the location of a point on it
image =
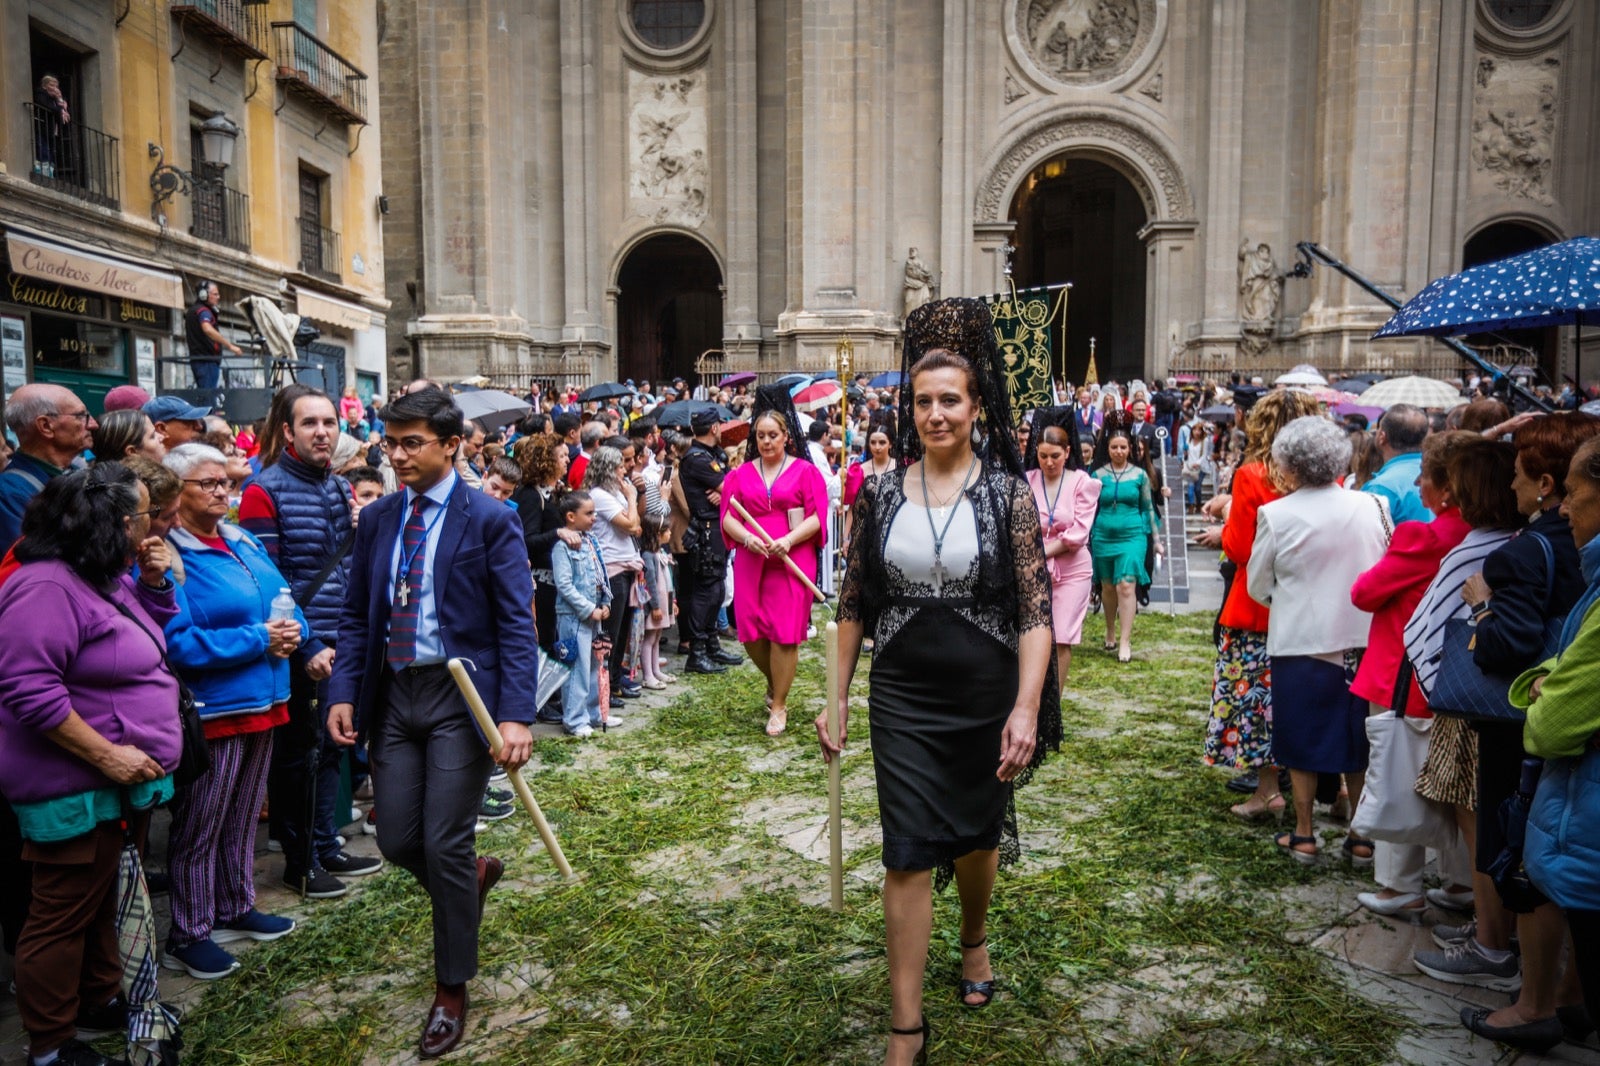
(74, 345)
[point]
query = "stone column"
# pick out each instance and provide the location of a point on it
(1170, 247)
(836, 70)
(741, 325)
(581, 170)
(1224, 165)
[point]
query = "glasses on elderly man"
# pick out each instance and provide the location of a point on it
(210, 485)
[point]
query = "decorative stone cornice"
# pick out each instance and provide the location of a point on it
(1158, 180)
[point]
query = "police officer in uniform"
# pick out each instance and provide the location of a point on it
(703, 469)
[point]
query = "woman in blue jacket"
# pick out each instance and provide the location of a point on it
(1562, 851)
(235, 658)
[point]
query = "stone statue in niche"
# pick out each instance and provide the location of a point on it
(918, 282)
(1260, 289)
(1513, 125)
(1069, 37)
(669, 178)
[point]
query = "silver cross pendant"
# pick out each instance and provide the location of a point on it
(405, 593)
(941, 574)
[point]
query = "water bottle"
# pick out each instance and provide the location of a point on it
(283, 606)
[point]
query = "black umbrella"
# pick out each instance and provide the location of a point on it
(1356, 383)
(678, 413)
(1221, 413)
(793, 379)
(606, 390)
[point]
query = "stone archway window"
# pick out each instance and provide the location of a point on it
(667, 24)
(1521, 14)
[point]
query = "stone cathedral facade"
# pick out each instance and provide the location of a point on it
(615, 188)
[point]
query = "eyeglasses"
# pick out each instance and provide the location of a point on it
(408, 446)
(81, 416)
(209, 485)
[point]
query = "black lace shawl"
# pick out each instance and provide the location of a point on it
(1010, 596)
(776, 398)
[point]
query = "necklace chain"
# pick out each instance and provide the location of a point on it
(938, 570)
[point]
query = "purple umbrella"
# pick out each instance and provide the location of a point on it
(743, 377)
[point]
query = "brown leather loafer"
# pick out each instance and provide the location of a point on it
(489, 871)
(447, 1021)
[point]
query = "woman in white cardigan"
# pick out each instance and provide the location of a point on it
(1310, 547)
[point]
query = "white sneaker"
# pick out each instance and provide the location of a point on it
(274, 844)
(583, 732)
(811, 632)
(613, 718)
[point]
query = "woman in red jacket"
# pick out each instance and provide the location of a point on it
(1239, 733)
(1391, 591)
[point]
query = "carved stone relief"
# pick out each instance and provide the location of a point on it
(669, 178)
(1084, 41)
(1014, 91)
(1514, 125)
(1152, 88)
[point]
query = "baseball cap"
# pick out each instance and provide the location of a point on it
(126, 398)
(174, 409)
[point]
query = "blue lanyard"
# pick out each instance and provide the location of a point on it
(407, 560)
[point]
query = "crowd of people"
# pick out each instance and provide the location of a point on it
(298, 585)
(1417, 599)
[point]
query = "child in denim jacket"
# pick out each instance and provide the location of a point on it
(583, 599)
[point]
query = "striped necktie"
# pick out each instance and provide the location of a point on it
(407, 604)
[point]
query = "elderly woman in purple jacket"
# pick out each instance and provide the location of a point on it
(88, 724)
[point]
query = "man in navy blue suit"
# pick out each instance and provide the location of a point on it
(438, 571)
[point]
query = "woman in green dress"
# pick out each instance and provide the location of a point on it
(1122, 534)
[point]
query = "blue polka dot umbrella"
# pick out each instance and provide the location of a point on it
(1558, 285)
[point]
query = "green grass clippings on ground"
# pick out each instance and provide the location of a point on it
(1144, 925)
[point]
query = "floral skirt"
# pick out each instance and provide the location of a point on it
(1239, 733)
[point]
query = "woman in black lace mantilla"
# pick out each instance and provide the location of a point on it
(946, 573)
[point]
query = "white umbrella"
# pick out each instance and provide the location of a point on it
(1304, 374)
(1414, 390)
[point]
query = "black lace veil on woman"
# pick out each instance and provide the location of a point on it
(776, 398)
(964, 326)
(1043, 419)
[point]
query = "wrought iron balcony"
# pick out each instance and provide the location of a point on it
(73, 158)
(319, 250)
(222, 216)
(239, 26)
(319, 75)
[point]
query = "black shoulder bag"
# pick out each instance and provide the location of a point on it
(195, 762)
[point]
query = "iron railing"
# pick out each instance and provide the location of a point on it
(237, 25)
(222, 216)
(310, 69)
(319, 250)
(73, 158)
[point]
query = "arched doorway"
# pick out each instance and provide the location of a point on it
(1078, 220)
(669, 308)
(1497, 241)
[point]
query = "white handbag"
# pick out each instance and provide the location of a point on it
(1390, 808)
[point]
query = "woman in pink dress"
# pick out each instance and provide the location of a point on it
(1067, 498)
(788, 498)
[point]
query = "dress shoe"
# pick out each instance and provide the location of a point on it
(1539, 1036)
(447, 1021)
(727, 658)
(489, 871)
(1451, 901)
(1405, 905)
(1244, 783)
(702, 663)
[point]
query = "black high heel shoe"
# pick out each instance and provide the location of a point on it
(965, 988)
(927, 1035)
